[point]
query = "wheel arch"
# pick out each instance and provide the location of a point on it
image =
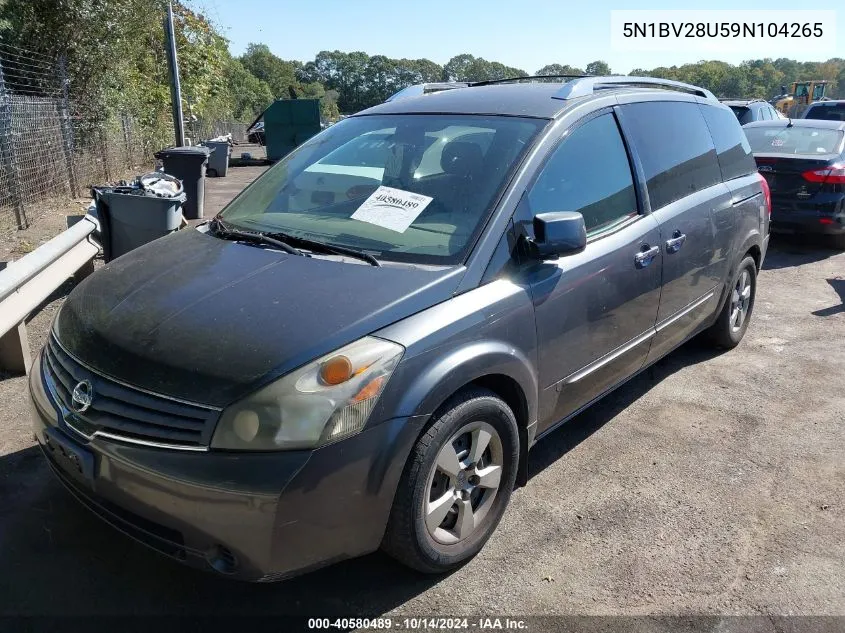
(494, 365)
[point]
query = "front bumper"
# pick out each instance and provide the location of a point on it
(252, 516)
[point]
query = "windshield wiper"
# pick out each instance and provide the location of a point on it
(324, 247)
(221, 230)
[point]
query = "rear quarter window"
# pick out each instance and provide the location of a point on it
(732, 149)
(675, 147)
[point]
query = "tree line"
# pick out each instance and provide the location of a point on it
(115, 56)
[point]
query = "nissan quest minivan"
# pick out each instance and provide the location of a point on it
(360, 351)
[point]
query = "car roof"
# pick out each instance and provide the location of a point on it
(740, 102)
(537, 100)
(817, 123)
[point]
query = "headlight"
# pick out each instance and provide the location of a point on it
(324, 401)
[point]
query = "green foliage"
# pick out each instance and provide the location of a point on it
(469, 68)
(559, 69)
(758, 78)
(598, 68)
(278, 74)
(116, 61)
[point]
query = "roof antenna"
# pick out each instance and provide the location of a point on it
(790, 122)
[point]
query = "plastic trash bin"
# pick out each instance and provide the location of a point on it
(218, 162)
(134, 214)
(188, 164)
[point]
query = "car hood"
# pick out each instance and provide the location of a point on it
(209, 320)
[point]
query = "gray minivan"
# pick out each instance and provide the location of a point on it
(361, 349)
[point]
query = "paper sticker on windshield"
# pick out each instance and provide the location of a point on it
(391, 208)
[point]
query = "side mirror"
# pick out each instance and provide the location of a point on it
(557, 233)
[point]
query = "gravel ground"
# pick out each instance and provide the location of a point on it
(712, 483)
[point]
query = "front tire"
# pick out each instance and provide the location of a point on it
(456, 484)
(733, 320)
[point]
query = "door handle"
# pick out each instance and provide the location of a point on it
(646, 255)
(674, 245)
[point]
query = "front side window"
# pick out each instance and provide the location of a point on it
(589, 173)
(413, 188)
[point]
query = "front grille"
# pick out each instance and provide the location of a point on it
(123, 412)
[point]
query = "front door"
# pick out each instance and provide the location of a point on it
(595, 310)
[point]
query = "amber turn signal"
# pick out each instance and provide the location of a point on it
(370, 390)
(336, 370)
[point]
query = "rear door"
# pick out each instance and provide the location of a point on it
(691, 205)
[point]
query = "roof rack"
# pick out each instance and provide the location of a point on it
(488, 82)
(588, 85)
(416, 90)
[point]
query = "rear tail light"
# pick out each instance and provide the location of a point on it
(825, 220)
(833, 175)
(767, 193)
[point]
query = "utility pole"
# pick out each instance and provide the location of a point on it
(175, 88)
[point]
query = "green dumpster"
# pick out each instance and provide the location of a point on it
(289, 123)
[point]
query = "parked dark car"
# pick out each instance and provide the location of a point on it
(359, 352)
(803, 161)
(749, 110)
(826, 111)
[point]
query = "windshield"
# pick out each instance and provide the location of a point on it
(793, 140)
(414, 188)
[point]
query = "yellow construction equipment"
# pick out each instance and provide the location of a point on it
(803, 93)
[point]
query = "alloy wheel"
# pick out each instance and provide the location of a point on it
(463, 483)
(740, 300)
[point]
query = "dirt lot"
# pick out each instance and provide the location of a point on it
(712, 483)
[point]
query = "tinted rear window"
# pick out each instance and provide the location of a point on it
(675, 148)
(742, 114)
(732, 148)
(793, 140)
(827, 112)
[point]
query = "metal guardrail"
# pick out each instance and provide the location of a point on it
(25, 283)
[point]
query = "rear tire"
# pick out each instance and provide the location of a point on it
(733, 320)
(456, 484)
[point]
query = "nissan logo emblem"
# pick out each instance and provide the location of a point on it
(82, 396)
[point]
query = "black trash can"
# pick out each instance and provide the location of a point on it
(133, 214)
(188, 164)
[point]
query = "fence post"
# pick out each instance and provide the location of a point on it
(67, 130)
(126, 144)
(8, 158)
(104, 151)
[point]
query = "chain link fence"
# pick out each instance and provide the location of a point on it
(204, 130)
(50, 153)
